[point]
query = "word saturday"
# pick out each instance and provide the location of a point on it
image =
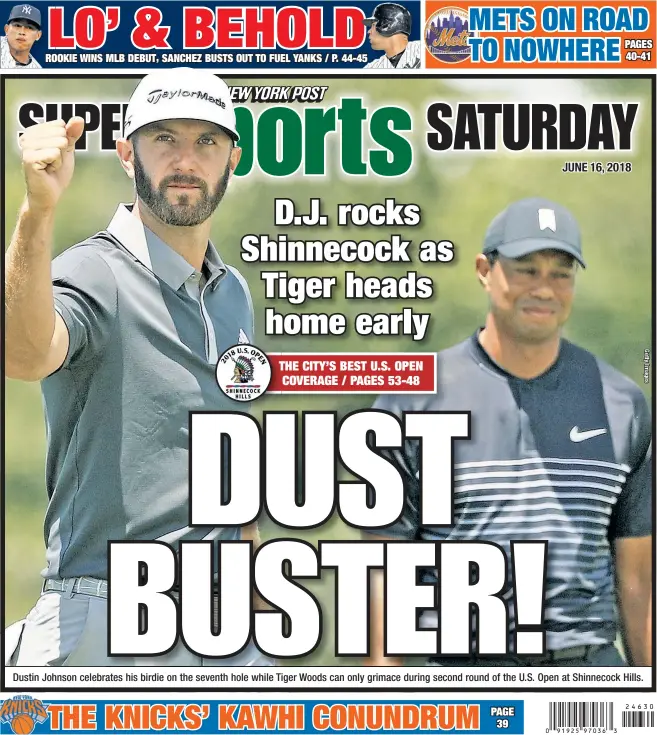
(539, 127)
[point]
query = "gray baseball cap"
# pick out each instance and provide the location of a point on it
(530, 225)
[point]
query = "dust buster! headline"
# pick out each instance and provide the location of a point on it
(238, 469)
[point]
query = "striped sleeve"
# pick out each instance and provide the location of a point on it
(412, 56)
(380, 63)
(404, 460)
(7, 61)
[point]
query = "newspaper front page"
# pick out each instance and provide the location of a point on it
(328, 357)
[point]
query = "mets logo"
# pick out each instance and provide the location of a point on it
(243, 372)
(22, 713)
(446, 35)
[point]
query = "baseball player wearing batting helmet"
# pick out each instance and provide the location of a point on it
(389, 31)
(123, 330)
(560, 451)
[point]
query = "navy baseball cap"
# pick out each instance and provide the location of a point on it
(26, 12)
(530, 225)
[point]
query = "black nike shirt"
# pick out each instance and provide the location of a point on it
(565, 457)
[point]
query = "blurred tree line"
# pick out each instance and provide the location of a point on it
(459, 193)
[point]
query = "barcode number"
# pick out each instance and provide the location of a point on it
(599, 715)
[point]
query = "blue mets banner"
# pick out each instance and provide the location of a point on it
(313, 35)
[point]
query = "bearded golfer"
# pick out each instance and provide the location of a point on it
(123, 330)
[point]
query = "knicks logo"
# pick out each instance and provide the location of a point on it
(22, 713)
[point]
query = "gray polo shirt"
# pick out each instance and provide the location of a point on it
(142, 355)
(564, 458)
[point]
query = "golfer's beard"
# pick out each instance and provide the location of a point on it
(183, 213)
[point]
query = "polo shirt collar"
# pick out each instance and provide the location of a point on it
(156, 255)
(549, 379)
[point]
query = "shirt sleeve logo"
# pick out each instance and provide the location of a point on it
(243, 372)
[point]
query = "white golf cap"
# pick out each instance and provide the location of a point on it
(180, 94)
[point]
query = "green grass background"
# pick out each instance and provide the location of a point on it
(458, 193)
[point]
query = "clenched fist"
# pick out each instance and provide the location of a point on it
(48, 153)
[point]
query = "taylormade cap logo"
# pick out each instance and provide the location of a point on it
(171, 94)
(181, 94)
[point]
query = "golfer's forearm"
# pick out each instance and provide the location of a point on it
(377, 655)
(636, 615)
(29, 305)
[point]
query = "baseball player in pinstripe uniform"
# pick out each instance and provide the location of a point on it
(123, 330)
(22, 31)
(390, 28)
(560, 450)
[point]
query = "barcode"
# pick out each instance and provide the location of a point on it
(582, 714)
(638, 719)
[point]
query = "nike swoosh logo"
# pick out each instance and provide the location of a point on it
(581, 436)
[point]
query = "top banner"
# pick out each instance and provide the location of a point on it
(319, 35)
(253, 35)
